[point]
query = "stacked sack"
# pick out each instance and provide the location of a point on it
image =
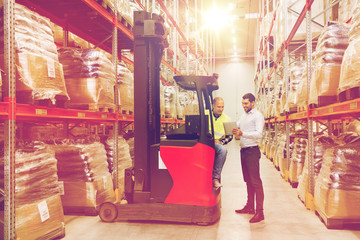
(39, 73)
(281, 151)
(297, 159)
(296, 71)
(328, 57)
(337, 188)
(170, 95)
(124, 160)
(350, 68)
(90, 78)
(162, 101)
(321, 143)
(83, 168)
(38, 209)
(192, 106)
(125, 80)
(346, 8)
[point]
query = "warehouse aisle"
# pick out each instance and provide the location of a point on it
(285, 216)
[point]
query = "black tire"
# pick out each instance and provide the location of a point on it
(108, 212)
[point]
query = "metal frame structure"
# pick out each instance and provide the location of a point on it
(327, 118)
(112, 36)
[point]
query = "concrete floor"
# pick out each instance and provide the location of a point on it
(285, 215)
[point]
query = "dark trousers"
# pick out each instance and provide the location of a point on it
(250, 164)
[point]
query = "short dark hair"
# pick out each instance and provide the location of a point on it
(249, 96)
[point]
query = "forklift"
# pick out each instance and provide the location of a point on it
(172, 178)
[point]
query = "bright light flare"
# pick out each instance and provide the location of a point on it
(216, 18)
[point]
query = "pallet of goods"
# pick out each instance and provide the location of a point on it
(39, 74)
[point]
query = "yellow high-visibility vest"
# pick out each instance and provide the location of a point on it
(219, 130)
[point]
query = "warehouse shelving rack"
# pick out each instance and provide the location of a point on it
(329, 118)
(89, 20)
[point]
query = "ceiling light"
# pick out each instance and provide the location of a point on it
(212, 19)
(231, 6)
(234, 40)
(234, 47)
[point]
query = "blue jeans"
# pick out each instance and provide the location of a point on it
(220, 157)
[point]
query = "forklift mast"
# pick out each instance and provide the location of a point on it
(171, 180)
(149, 42)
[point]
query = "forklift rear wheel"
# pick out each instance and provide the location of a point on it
(108, 212)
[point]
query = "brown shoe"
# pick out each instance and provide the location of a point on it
(216, 183)
(246, 210)
(258, 217)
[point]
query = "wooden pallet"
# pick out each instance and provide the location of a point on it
(87, 211)
(106, 109)
(91, 107)
(126, 111)
(349, 94)
(121, 19)
(338, 223)
(26, 97)
(301, 109)
(324, 101)
(292, 110)
(125, 22)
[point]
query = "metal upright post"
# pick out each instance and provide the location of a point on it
(10, 122)
(286, 79)
(214, 52)
(310, 121)
(175, 45)
(211, 52)
(116, 101)
(187, 37)
(196, 40)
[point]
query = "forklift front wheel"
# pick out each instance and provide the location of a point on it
(108, 212)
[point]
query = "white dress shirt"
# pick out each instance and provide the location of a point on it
(252, 125)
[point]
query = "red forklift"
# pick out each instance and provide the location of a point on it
(172, 178)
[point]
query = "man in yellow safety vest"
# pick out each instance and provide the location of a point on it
(220, 139)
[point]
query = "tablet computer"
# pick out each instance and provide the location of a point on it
(228, 126)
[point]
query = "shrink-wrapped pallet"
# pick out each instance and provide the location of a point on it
(89, 77)
(281, 152)
(83, 168)
(350, 68)
(286, 18)
(43, 219)
(296, 70)
(327, 63)
(124, 159)
(354, 127)
(297, 159)
(192, 108)
(337, 188)
(131, 143)
(38, 209)
(123, 8)
(346, 8)
(321, 143)
(170, 101)
(162, 101)
(126, 88)
(182, 102)
(73, 40)
(39, 75)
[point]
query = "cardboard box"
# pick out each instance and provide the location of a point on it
(40, 220)
(79, 194)
(337, 203)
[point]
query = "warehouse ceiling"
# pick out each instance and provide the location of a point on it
(236, 30)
